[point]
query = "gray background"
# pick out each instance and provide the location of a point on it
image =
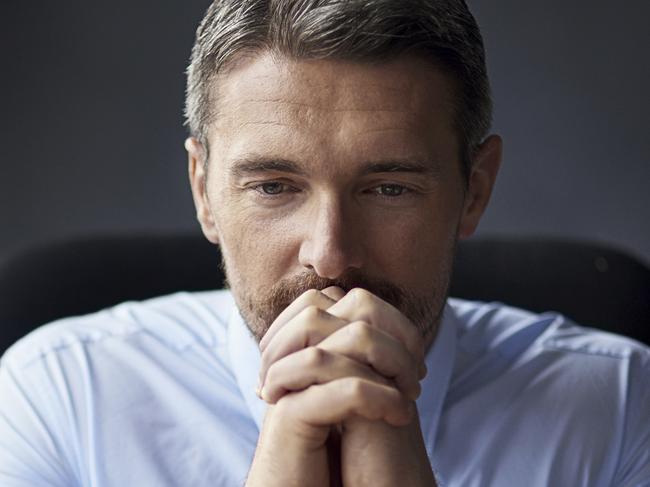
(91, 127)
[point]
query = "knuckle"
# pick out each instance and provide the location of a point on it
(356, 389)
(359, 294)
(314, 356)
(363, 336)
(369, 314)
(361, 331)
(311, 312)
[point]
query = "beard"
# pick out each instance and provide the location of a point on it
(260, 308)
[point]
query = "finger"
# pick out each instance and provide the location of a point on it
(333, 292)
(342, 399)
(361, 305)
(306, 329)
(310, 366)
(363, 343)
(312, 297)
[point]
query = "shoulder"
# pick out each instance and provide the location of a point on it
(493, 325)
(566, 384)
(548, 355)
(138, 374)
(177, 321)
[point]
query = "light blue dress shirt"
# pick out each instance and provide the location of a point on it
(161, 393)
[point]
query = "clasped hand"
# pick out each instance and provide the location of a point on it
(348, 365)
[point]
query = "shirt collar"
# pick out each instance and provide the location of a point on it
(245, 358)
(440, 362)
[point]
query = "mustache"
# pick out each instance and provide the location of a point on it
(284, 292)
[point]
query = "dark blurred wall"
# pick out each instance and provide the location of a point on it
(570, 81)
(91, 128)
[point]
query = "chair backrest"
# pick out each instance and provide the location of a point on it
(591, 284)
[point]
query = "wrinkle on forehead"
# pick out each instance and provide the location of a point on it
(326, 86)
(319, 110)
(290, 109)
(321, 106)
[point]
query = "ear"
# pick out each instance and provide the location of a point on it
(196, 155)
(485, 166)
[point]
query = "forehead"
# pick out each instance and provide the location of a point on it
(331, 109)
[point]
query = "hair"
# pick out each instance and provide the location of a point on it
(442, 31)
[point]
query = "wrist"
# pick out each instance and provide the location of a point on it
(378, 454)
(288, 454)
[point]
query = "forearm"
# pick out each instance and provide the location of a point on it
(284, 458)
(379, 454)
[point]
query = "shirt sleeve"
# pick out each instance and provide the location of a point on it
(634, 465)
(30, 453)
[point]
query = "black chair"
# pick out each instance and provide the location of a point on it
(593, 285)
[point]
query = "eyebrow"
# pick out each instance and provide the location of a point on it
(258, 164)
(407, 166)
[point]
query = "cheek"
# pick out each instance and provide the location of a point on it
(257, 250)
(416, 248)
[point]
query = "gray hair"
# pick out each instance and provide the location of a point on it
(443, 31)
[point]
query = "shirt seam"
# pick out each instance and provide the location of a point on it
(624, 355)
(84, 341)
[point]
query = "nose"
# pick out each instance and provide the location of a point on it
(331, 245)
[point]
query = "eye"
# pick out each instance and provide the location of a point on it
(272, 188)
(390, 190)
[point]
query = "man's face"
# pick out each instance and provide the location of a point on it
(333, 173)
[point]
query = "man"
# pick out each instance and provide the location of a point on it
(338, 151)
